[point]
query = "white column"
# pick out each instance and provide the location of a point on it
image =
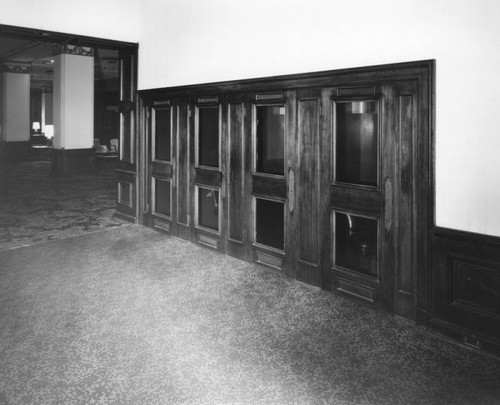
(16, 107)
(73, 102)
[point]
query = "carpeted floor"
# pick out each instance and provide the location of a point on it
(35, 207)
(130, 316)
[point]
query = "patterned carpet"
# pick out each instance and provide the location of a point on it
(131, 316)
(35, 207)
(126, 315)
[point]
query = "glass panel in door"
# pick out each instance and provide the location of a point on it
(270, 223)
(356, 243)
(162, 142)
(208, 183)
(269, 183)
(208, 136)
(270, 139)
(356, 151)
(356, 196)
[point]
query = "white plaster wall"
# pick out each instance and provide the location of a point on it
(109, 19)
(16, 105)
(197, 41)
(73, 102)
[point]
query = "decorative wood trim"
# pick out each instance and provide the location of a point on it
(268, 260)
(68, 49)
(269, 97)
(465, 236)
(208, 100)
(16, 67)
(161, 103)
(125, 197)
(468, 337)
(330, 78)
(356, 91)
(208, 241)
(357, 290)
(162, 224)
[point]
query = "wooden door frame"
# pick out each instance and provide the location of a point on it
(423, 73)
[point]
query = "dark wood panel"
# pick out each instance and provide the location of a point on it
(308, 273)
(404, 300)
(357, 200)
(235, 249)
(269, 186)
(308, 181)
(126, 205)
(207, 240)
(206, 177)
(182, 164)
(274, 260)
(356, 290)
(162, 170)
(356, 91)
(466, 283)
(162, 224)
(235, 175)
(326, 178)
(183, 231)
(72, 162)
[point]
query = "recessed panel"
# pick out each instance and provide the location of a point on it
(208, 136)
(475, 287)
(162, 197)
(126, 124)
(356, 148)
(270, 223)
(162, 135)
(356, 243)
(125, 193)
(208, 208)
(270, 139)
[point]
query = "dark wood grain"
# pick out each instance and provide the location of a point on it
(269, 186)
(235, 175)
(308, 180)
(183, 189)
(405, 304)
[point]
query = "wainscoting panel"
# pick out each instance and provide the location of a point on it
(466, 282)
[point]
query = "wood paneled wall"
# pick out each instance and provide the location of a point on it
(399, 203)
(466, 293)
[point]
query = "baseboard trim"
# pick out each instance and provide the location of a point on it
(466, 337)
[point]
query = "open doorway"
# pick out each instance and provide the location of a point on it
(29, 54)
(61, 206)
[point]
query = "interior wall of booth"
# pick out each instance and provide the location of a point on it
(217, 40)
